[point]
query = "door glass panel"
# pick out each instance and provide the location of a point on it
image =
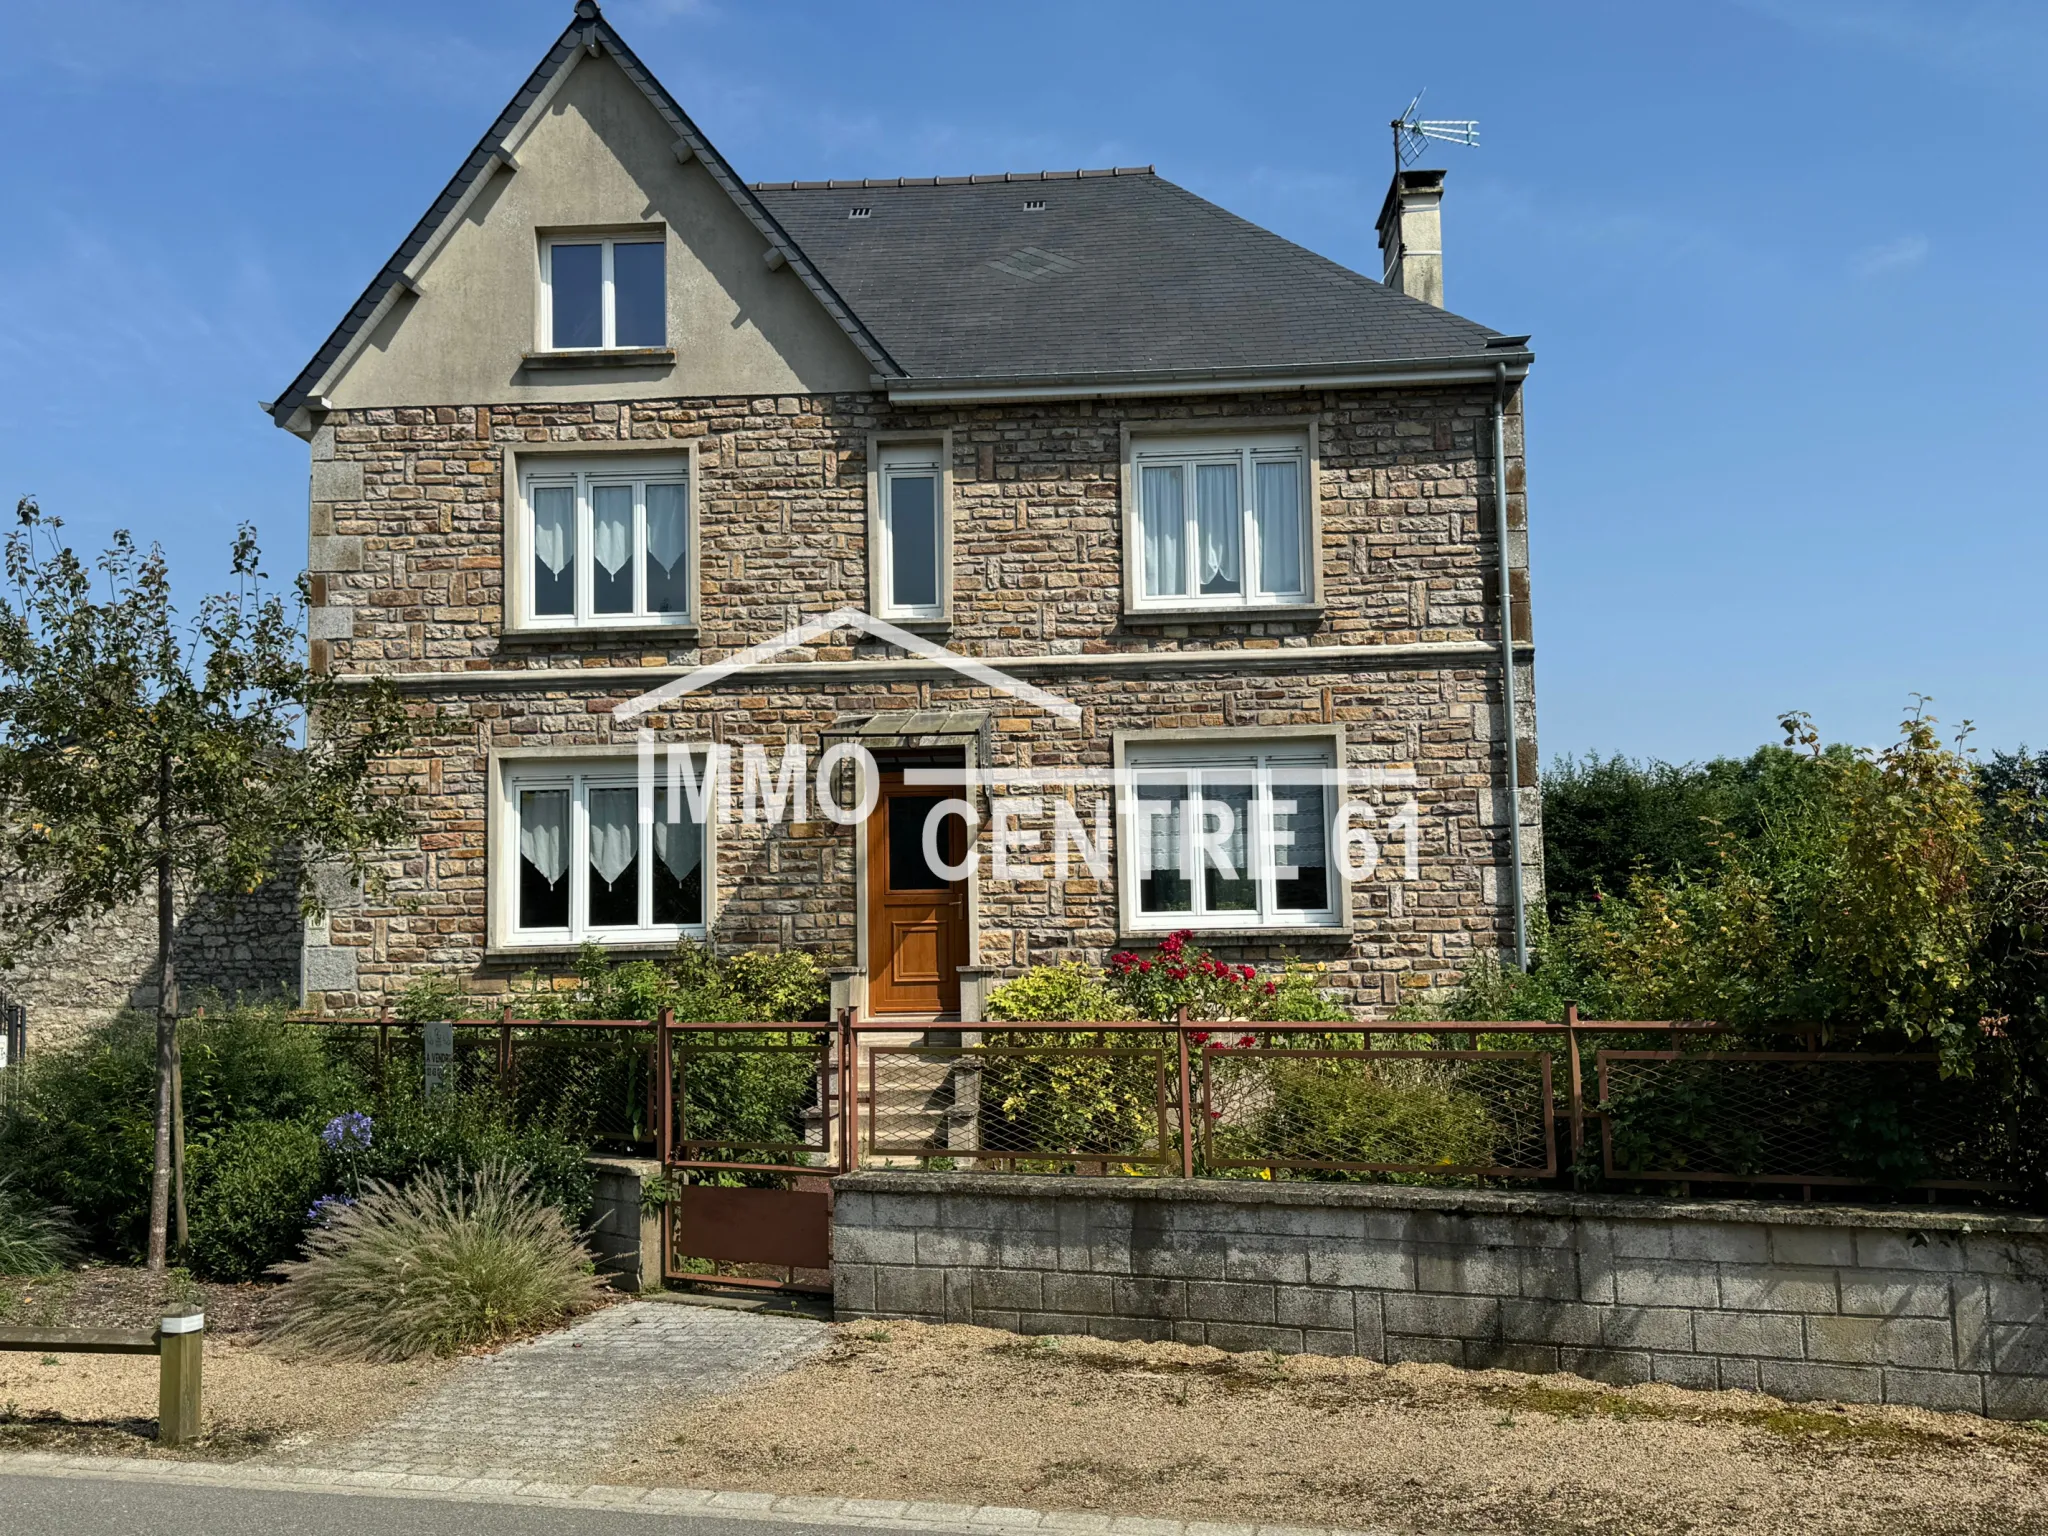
(1280, 542)
(1226, 811)
(668, 535)
(639, 296)
(554, 550)
(908, 870)
(544, 858)
(678, 865)
(914, 541)
(1299, 811)
(1164, 531)
(1219, 518)
(611, 549)
(1162, 885)
(614, 858)
(576, 294)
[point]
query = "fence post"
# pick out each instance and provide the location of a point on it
(665, 1088)
(1571, 1045)
(181, 1341)
(1187, 1103)
(849, 1086)
(505, 1050)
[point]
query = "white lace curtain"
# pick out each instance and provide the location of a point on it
(677, 844)
(611, 527)
(667, 530)
(1219, 519)
(1165, 520)
(554, 527)
(1278, 485)
(544, 831)
(614, 831)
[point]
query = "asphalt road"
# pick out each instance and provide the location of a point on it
(80, 1506)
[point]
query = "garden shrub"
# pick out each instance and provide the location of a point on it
(1325, 1109)
(412, 1133)
(1064, 993)
(250, 1189)
(35, 1238)
(83, 1131)
(447, 1262)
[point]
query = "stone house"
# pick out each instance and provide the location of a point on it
(1174, 555)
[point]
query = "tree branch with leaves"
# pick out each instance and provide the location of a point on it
(144, 753)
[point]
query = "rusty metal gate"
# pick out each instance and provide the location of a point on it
(751, 1130)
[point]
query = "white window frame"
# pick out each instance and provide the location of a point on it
(579, 775)
(891, 455)
(1260, 756)
(608, 326)
(1246, 443)
(584, 473)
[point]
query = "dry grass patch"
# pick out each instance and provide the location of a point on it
(972, 1416)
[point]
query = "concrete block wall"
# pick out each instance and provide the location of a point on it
(1938, 1309)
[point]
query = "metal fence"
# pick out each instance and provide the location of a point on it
(1636, 1104)
(13, 1048)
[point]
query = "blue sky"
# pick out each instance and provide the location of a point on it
(1783, 263)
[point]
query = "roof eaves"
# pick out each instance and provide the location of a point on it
(1378, 372)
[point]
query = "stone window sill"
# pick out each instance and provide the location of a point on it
(1312, 611)
(606, 357)
(1333, 933)
(636, 630)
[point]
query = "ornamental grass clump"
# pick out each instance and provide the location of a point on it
(441, 1264)
(35, 1239)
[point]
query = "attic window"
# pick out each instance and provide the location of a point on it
(1034, 205)
(859, 211)
(602, 293)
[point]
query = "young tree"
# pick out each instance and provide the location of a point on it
(142, 753)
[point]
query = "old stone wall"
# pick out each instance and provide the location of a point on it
(408, 578)
(248, 950)
(1938, 1309)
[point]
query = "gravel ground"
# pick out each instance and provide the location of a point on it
(257, 1396)
(972, 1416)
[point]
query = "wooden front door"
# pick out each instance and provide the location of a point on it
(917, 918)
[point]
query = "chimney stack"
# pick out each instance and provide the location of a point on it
(1412, 236)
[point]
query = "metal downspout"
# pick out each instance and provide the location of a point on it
(1507, 663)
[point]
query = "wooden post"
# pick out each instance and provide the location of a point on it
(1571, 1045)
(180, 1349)
(664, 1088)
(1187, 1102)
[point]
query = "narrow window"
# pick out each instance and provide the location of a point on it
(668, 541)
(614, 877)
(544, 858)
(913, 533)
(600, 293)
(576, 293)
(639, 294)
(554, 550)
(1222, 522)
(611, 549)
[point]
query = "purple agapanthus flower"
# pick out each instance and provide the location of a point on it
(326, 1208)
(347, 1131)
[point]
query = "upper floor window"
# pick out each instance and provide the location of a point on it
(606, 541)
(1222, 522)
(604, 291)
(913, 532)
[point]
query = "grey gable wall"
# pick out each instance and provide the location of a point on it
(601, 155)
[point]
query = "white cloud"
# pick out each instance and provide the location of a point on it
(1901, 254)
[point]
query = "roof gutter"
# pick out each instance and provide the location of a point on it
(1476, 368)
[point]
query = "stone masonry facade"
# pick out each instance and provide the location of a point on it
(1936, 1309)
(408, 580)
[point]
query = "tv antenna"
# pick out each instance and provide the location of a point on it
(1412, 134)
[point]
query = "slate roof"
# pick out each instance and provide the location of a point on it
(1121, 271)
(953, 278)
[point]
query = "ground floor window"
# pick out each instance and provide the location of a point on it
(1230, 836)
(588, 868)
